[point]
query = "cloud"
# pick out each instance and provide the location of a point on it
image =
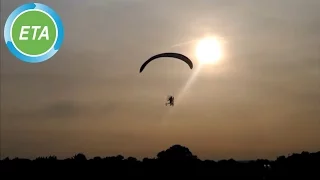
(58, 111)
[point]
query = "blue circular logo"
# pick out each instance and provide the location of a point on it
(33, 32)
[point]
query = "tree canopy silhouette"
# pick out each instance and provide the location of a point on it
(176, 152)
(303, 166)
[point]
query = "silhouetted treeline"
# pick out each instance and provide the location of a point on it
(177, 161)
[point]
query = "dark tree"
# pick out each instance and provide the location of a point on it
(80, 157)
(176, 152)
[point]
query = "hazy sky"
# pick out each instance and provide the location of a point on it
(260, 101)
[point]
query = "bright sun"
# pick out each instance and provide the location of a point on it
(208, 50)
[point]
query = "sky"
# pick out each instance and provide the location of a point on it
(261, 100)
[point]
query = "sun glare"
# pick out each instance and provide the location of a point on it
(208, 50)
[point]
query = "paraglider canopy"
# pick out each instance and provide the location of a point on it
(172, 55)
(181, 57)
